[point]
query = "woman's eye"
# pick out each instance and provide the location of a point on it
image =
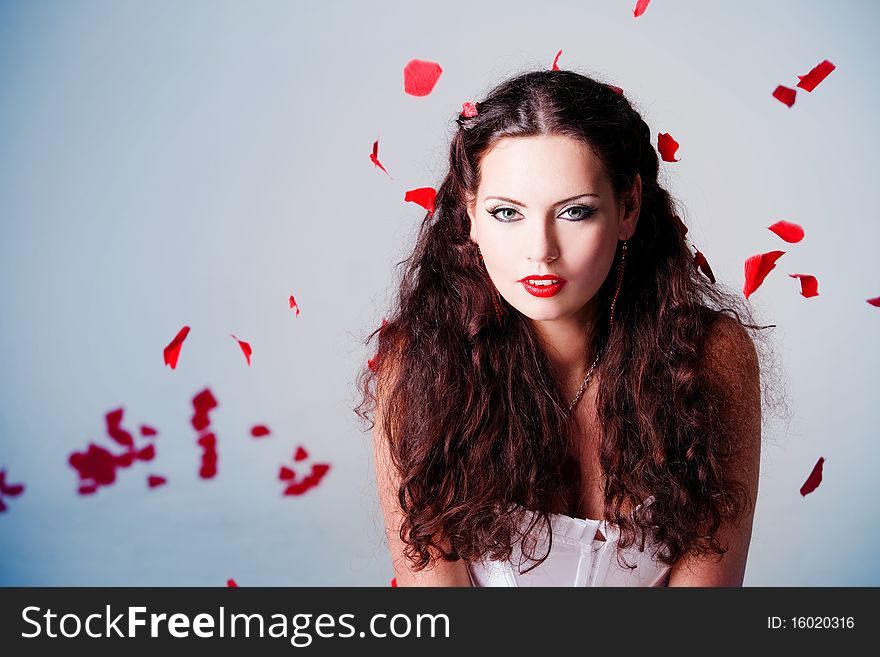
(581, 212)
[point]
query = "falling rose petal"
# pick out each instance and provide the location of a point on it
(125, 459)
(172, 351)
(703, 265)
(784, 95)
(641, 5)
(788, 231)
(208, 441)
(394, 582)
(285, 473)
(809, 81)
(231, 582)
(115, 430)
(874, 302)
(419, 77)
(87, 489)
(203, 403)
(12, 490)
(207, 472)
(147, 430)
(468, 109)
(246, 348)
(293, 304)
(809, 285)
(555, 60)
(301, 454)
(374, 158)
(615, 89)
(155, 480)
(373, 362)
(424, 196)
(259, 430)
(96, 464)
(148, 453)
(667, 147)
(814, 479)
(756, 269)
(3, 506)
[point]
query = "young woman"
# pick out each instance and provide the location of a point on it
(561, 397)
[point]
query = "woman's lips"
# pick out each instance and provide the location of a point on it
(543, 291)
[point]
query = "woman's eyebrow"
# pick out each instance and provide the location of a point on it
(523, 205)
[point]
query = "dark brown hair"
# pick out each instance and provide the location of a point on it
(477, 425)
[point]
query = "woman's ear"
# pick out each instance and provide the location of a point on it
(632, 208)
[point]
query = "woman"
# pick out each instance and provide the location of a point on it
(600, 430)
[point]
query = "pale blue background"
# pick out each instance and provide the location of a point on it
(171, 163)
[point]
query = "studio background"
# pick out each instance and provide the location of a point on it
(168, 164)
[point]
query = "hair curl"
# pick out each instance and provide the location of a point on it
(477, 425)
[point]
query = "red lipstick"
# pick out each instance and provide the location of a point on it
(543, 291)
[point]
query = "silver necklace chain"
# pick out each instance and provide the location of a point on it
(584, 384)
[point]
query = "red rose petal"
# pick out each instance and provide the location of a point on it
(115, 430)
(641, 5)
(373, 362)
(125, 459)
(788, 231)
(756, 269)
(286, 474)
(814, 479)
(468, 109)
(394, 582)
(147, 430)
(259, 430)
(874, 302)
(809, 285)
(148, 453)
(95, 464)
(293, 304)
(207, 472)
(300, 454)
(703, 265)
(424, 196)
(208, 441)
(172, 351)
(616, 90)
(667, 147)
(809, 81)
(12, 490)
(231, 582)
(246, 348)
(419, 77)
(555, 60)
(784, 95)
(203, 403)
(155, 480)
(3, 506)
(374, 158)
(87, 489)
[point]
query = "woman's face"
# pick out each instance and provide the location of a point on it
(558, 216)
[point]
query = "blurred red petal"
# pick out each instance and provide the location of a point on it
(372, 362)
(641, 5)
(874, 302)
(155, 480)
(374, 157)
(300, 454)
(424, 196)
(3, 506)
(809, 81)
(468, 109)
(115, 430)
(125, 459)
(394, 582)
(96, 464)
(259, 430)
(147, 430)
(87, 489)
(703, 265)
(245, 347)
(788, 231)
(809, 285)
(667, 147)
(209, 441)
(207, 472)
(419, 77)
(172, 351)
(555, 60)
(784, 95)
(615, 89)
(756, 269)
(148, 453)
(231, 582)
(12, 490)
(286, 474)
(814, 479)
(203, 403)
(293, 304)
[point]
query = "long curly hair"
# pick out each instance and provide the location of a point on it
(476, 423)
